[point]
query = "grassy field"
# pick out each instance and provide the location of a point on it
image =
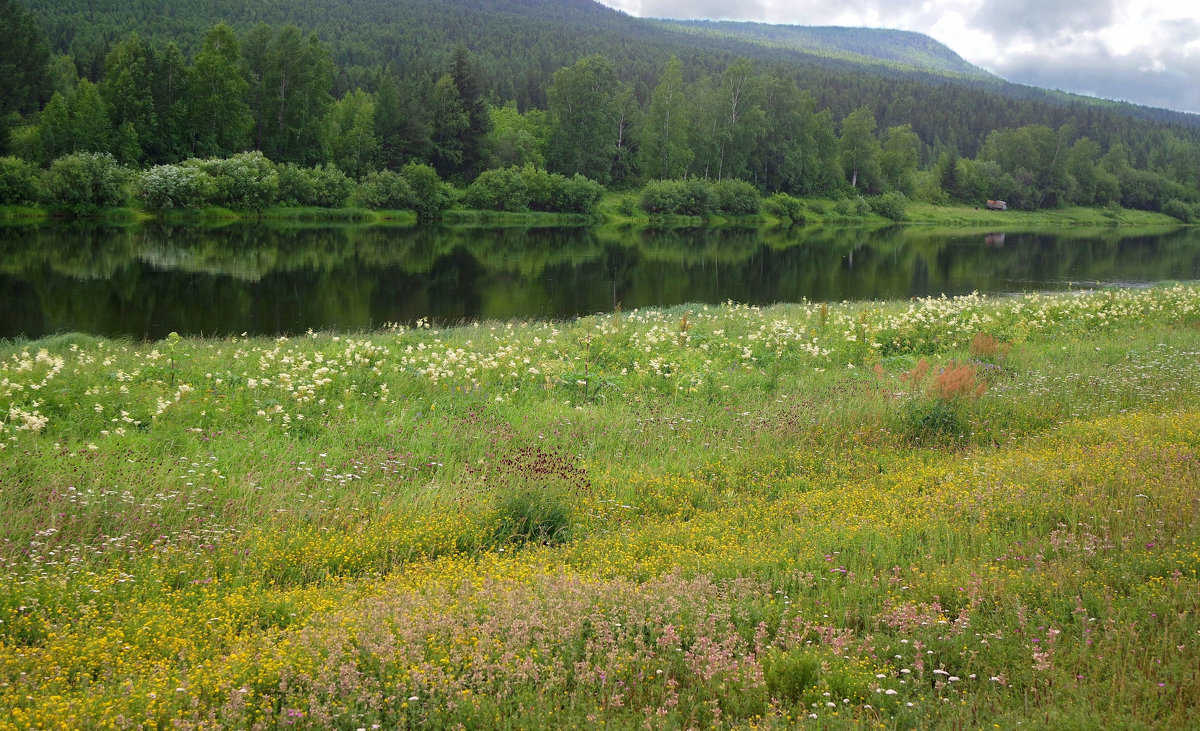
(947, 512)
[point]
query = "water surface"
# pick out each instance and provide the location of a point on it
(147, 280)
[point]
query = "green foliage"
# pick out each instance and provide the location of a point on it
(323, 186)
(430, 196)
(517, 139)
(220, 113)
(783, 205)
(583, 119)
(24, 58)
(692, 197)
(1177, 209)
(861, 152)
(166, 187)
(84, 182)
(853, 207)
(18, 182)
(737, 198)
(384, 189)
(498, 190)
(665, 152)
(891, 205)
(290, 78)
(525, 188)
(247, 181)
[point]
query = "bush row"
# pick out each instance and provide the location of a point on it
(527, 188)
(696, 197)
(84, 183)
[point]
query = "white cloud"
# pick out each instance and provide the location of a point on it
(1145, 51)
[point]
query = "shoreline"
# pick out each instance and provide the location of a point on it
(816, 213)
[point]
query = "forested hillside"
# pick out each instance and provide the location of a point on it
(895, 49)
(573, 88)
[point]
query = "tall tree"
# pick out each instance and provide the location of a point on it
(220, 115)
(583, 119)
(664, 150)
(290, 79)
(171, 91)
(479, 121)
(128, 96)
(24, 57)
(350, 134)
(517, 139)
(54, 128)
(450, 123)
(91, 130)
(861, 150)
(402, 121)
(898, 162)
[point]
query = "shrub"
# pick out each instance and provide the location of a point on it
(936, 407)
(166, 187)
(498, 190)
(737, 197)
(247, 181)
(18, 182)
(626, 205)
(855, 207)
(576, 194)
(1177, 209)
(384, 189)
(85, 182)
(783, 205)
(891, 205)
(324, 186)
(678, 197)
(429, 195)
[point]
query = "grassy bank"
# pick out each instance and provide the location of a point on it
(704, 515)
(615, 209)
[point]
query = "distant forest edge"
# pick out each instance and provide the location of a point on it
(531, 104)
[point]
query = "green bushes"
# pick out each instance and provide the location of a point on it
(528, 188)
(782, 205)
(167, 187)
(84, 183)
(384, 189)
(323, 186)
(429, 195)
(678, 198)
(737, 198)
(247, 181)
(891, 205)
(1177, 209)
(498, 190)
(18, 182)
(696, 197)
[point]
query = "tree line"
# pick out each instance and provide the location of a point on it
(272, 90)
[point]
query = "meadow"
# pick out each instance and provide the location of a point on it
(966, 511)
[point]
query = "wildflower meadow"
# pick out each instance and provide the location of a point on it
(963, 512)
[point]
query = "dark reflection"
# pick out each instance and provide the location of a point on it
(145, 281)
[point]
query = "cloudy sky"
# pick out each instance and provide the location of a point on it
(1144, 51)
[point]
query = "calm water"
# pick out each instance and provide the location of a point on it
(145, 281)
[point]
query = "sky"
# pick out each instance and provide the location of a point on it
(1143, 51)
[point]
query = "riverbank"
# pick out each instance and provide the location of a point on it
(702, 514)
(614, 209)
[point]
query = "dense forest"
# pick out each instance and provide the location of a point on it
(569, 88)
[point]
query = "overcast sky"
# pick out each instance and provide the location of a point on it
(1144, 51)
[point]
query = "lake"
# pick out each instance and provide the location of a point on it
(144, 281)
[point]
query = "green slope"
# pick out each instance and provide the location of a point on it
(894, 49)
(518, 44)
